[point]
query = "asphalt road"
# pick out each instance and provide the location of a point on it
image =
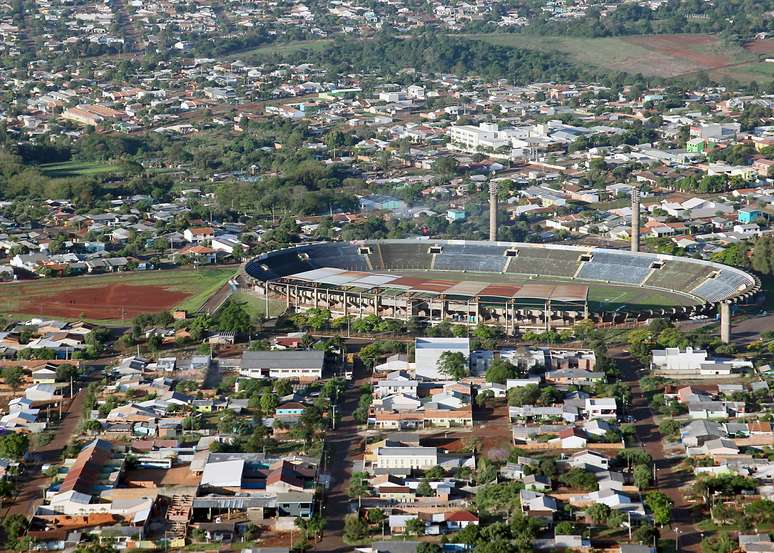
(669, 480)
(343, 445)
(34, 482)
(744, 331)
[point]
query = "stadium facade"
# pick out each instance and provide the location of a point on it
(518, 286)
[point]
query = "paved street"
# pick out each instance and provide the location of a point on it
(344, 444)
(33, 483)
(670, 481)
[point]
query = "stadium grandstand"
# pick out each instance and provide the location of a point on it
(514, 285)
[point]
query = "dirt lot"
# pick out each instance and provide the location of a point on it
(112, 301)
(114, 297)
(700, 50)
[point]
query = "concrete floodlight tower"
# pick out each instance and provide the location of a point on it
(635, 233)
(492, 211)
(725, 321)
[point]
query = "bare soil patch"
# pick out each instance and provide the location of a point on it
(112, 301)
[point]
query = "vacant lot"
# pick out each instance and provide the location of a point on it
(115, 297)
(652, 55)
(77, 168)
(283, 48)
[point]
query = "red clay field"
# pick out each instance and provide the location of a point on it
(699, 50)
(113, 297)
(113, 301)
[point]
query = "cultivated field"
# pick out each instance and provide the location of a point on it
(653, 55)
(113, 298)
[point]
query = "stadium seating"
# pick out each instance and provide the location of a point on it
(404, 256)
(277, 264)
(678, 275)
(341, 255)
(726, 284)
(620, 268)
(544, 261)
(464, 257)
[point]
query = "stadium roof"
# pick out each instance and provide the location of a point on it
(467, 288)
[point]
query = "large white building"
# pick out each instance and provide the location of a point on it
(486, 136)
(693, 363)
(305, 366)
(419, 458)
(429, 351)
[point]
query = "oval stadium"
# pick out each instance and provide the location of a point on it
(518, 286)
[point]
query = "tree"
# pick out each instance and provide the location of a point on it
(641, 476)
(66, 371)
(317, 319)
(14, 446)
(13, 527)
(424, 489)
(500, 370)
(233, 318)
(661, 507)
(283, 387)
(199, 327)
(640, 343)
(154, 342)
(311, 527)
(358, 487)
(598, 513)
(415, 526)
(498, 497)
(579, 479)
(647, 534)
(7, 488)
(435, 473)
(634, 456)
(720, 543)
(564, 528)
(446, 166)
(355, 529)
(269, 403)
(760, 511)
(453, 364)
(377, 517)
(483, 397)
(524, 395)
(12, 376)
(92, 426)
(672, 338)
(763, 255)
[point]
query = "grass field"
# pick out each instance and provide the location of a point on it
(256, 306)
(77, 168)
(282, 48)
(112, 298)
(651, 55)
